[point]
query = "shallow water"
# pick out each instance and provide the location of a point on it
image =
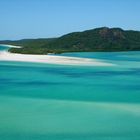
(56, 102)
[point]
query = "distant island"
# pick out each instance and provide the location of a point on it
(96, 40)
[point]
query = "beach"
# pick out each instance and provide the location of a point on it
(51, 59)
(10, 46)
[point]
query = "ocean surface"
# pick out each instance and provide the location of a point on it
(58, 102)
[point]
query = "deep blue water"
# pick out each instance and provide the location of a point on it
(57, 102)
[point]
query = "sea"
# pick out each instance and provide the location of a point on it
(61, 102)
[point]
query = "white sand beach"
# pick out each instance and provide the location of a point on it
(51, 59)
(10, 46)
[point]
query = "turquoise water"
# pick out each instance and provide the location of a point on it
(3, 48)
(56, 102)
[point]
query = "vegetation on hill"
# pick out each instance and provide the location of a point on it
(99, 39)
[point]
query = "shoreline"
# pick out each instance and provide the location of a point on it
(52, 59)
(10, 46)
(49, 59)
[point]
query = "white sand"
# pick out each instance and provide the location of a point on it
(52, 59)
(10, 46)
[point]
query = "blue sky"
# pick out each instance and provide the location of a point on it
(51, 18)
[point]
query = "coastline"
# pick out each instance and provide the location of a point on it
(10, 46)
(52, 59)
(49, 59)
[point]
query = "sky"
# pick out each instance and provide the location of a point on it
(20, 19)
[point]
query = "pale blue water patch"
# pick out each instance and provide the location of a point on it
(121, 58)
(131, 56)
(57, 102)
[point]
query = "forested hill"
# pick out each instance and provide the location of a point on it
(99, 39)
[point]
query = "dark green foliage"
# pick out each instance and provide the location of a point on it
(100, 39)
(29, 46)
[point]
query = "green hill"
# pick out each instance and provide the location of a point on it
(99, 39)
